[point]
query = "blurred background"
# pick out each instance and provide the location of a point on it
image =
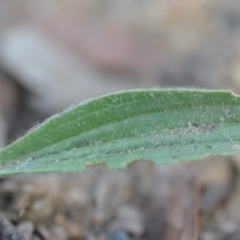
(56, 53)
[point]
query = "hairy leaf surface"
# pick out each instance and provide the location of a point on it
(163, 126)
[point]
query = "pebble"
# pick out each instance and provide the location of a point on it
(117, 235)
(26, 229)
(130, 219)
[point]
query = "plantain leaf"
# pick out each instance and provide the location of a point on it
(163, 126)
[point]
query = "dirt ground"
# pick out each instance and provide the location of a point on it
(54, 54)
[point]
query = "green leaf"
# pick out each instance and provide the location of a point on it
(163, 126)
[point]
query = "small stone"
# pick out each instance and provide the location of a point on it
(26, 229)
(129, 219)
(117, 235)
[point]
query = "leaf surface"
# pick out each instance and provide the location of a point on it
(163, 126)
